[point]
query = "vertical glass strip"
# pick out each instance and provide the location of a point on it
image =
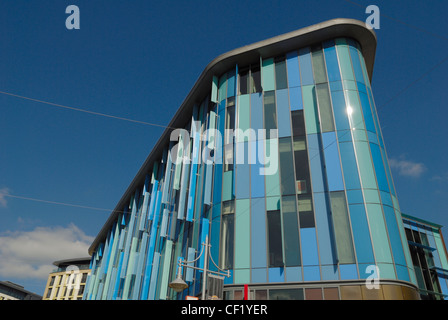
(306, 69)
(331, 59)
(283, 114)
(342, 228)
(332, 162)
(242, 234)
(292, 64)
(258, 233)
(310, 109)
(268, 74)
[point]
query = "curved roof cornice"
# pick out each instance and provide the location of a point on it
(245, 55)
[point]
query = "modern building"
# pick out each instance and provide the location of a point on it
(13, 291)
(429, 257)
(305, 209)
(68, 281)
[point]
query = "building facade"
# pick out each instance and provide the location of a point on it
(13, 291)
(429, 257)
(280, 163)
(68, 281)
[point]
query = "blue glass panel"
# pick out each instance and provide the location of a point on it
(332, 162)
(331, 61)
(276, 275)
(258, 233)
(322, 213)
(293, 274)
(330, 272)
(292, 64)
(402, 273)
(242, 172)
(311, 273)
(259, 275)
(340, 110)
(306, 69)
(361, 234)
(367, 112)
(348, 271)
(316, 166)
(379, 167)
(257, 179)
(295, 98)
(354, 196)
(336, 86)
(349, 166)
(309, 247)
(283, 114)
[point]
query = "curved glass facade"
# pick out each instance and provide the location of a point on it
(282, 166)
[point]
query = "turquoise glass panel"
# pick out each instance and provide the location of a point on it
(378, 231)
(306, 69)
(228, 189)
(258, 233)
(354, 110)
(292, 64)
(344, 60)
(222, 88)
(241, 276)
(231, 84)
(242, 234)
(361, 234)
(365, 165)
(355, 61)
(283, 113)
(310, 109)
(256, 114)
(354, 196)
(267, 72)
(272, 178)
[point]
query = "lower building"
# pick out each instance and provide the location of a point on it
(68, 281)
(12, 291)
(429, 257)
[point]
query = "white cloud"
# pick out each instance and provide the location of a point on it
(3, 194)
(408, 168)
(30, 254)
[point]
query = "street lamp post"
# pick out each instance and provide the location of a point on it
(179, 284)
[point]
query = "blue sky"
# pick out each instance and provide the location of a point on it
(138, 60)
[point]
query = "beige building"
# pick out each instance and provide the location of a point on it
(68, 281)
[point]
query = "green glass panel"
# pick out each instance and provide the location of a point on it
(343, 234)
(228, 191)
(365, 165)
(320, 74)
(268, 75)
(344, 59)
(325, 110)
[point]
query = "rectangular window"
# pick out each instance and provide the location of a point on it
(275, 239)
(255, 79)
(298, 123)
(270, 113)
(325, 110)
(280, 73)
(320, 74)
(306, 214)
(244, 81)
(291, 231)
(227, 235)
(286, 167)
(303, 183)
